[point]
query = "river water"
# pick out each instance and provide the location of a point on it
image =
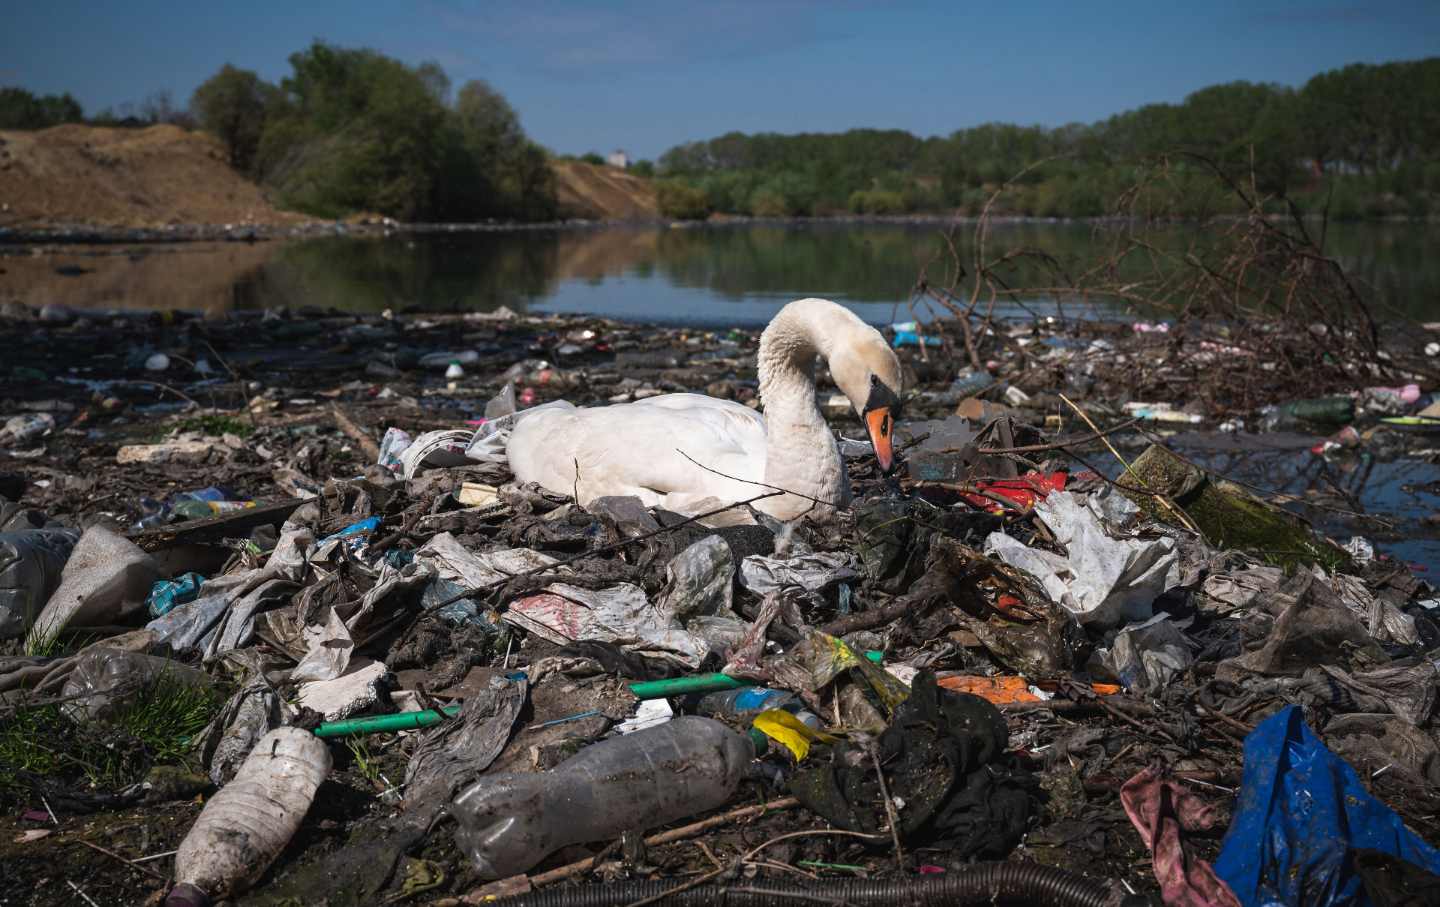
(737, 274)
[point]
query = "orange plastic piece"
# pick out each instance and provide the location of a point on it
(1009, 688)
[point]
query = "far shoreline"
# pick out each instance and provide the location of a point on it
(28, 236)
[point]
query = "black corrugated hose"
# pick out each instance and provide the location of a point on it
(983, 883)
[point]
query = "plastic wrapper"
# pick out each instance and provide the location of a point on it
(700, 581)
(250, 713)
(621, 614)
(106, 577)
(435, 450)
(331, 642)
(1103, 581)
(811, 572)
(455, 753)
(454, 562)
(31, 564)
(1146, 657)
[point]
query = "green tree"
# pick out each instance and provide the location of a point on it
(682, 201)
(19, 109)
(233, 104)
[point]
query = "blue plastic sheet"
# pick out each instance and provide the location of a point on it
(1302, 813)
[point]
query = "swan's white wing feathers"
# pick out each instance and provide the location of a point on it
(635, 449)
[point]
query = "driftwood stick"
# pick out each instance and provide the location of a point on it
(356, 433)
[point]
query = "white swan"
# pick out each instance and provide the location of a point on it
(656, 449)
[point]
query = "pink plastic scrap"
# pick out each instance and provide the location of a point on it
(1162, 810)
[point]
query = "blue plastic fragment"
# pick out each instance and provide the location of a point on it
(168, 593)
(1301, 815)
(355, 533)
(910, 338)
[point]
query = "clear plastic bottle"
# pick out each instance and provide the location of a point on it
(510, 822)
(249, 821)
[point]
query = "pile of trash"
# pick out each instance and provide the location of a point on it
(277, 625)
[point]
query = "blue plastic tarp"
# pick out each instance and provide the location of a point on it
(1302, 812)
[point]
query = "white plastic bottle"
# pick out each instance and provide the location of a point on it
(510, 822)
(250, 820)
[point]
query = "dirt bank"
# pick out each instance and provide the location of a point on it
(125, 177)
(163, 176)
(603, 193)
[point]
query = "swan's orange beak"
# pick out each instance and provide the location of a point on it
(879, 424)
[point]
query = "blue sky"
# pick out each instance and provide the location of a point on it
(648, 75)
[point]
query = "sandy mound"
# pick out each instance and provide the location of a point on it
(124, 177)
(603, 193)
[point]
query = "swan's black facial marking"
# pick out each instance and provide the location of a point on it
(880, 411)
(882, 397)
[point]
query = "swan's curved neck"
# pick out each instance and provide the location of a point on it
(800, 452)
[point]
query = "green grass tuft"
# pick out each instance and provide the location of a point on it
(217, 424)
(155, 727)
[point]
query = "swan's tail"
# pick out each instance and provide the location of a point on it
(490, 441)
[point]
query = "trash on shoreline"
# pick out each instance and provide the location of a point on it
(327, 574)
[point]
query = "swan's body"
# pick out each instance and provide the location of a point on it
(658, 449)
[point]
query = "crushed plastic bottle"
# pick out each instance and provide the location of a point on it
(1300, 413)
(106, 679)
(250, 820)
(510, 822)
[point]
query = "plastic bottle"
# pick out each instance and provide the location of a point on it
(967, 384)
(1324, 410)
(250, 820)
(31, 562)
(510, 822)
(105, 680)
(744, 703)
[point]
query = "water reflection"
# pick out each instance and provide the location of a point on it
(720, 274)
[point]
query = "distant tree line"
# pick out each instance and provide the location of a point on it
(1364, 139)
(21, 109)
(353, 130)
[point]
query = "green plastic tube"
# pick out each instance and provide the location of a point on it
(379, 724)
(702, 683)
(680, 686)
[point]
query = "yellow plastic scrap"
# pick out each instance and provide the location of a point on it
(890, 690)
(790, 732)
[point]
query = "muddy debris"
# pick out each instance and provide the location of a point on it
(1057, 656)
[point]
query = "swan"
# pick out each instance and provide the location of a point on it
(658, 449)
